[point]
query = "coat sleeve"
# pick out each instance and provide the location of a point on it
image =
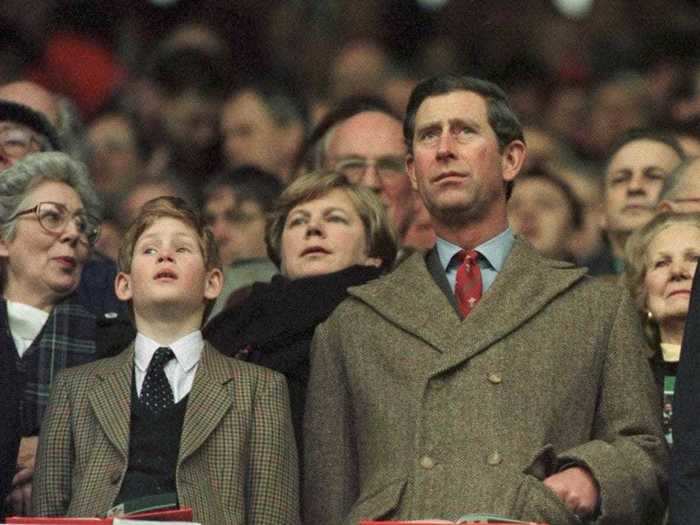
(330, 465)
(627, 453)
(51, 490)
(272, 480)
(685, 468)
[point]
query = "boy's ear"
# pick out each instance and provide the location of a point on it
(122, 287)
(214, 284)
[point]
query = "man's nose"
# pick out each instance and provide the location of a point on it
(371, 178)
(445, 145)
(636, 184)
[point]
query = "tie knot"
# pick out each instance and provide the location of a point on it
(161, 357)
(468, 257)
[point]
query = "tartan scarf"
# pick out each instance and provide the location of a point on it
(66, 339)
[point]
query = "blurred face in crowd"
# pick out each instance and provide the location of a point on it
(368, 148)
(686, 197)
(456, 165)
(324, 235)
(238, 226)
(672, 258)
(540, 212)
(190, 121)
(250, 133)
(115, 160)
(16, 142)
(633, 182)
(43, 266)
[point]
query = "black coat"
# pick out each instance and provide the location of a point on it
(273, 327)
(685, 456)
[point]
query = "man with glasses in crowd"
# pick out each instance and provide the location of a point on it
(362, 139)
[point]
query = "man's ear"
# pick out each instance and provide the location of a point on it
(512, 160)
(122, 286)
(214, 284)
(411, 170)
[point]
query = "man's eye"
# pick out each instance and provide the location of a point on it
(296, 221)
(183, 249)
(149, 250)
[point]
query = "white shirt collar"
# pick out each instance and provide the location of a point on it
(187, 350)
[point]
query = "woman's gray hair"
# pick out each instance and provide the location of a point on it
(21, 178)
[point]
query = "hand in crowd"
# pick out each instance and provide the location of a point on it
(576, 487)
(20, 498)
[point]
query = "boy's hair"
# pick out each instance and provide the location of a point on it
(172, 208)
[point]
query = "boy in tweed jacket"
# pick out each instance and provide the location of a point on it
(213, 430)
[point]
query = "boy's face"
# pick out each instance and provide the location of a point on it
(167, 271)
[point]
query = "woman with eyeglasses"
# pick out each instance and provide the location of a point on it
(49, 222)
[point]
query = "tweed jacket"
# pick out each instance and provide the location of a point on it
(413, 413)
(237, 460)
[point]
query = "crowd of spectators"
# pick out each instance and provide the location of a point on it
(238, 108)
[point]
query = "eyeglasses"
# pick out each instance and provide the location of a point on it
(17, 142)
(354, 168)
(54, 217)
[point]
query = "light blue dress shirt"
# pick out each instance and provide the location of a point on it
(493, 255)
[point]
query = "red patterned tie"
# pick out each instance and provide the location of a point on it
(468, 285)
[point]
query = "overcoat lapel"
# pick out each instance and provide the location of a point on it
(111, 398)
(410, 298)
(210, 399)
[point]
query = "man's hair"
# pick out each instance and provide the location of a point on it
(249, 184)
(38, 123)
(312, 154)
(501, 117)
(23, 176)
(674, 182)
(285, 104)
(182, 70)
(651, 134)
(574, 203)
(172, 208)
(379, 235)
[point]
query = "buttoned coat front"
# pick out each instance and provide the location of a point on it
(413, 413)
(237, 458)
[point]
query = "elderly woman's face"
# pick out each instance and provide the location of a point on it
(44, 266)
(672, 257)
(322, 236)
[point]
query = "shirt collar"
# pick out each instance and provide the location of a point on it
(187, 350)
(494, 251)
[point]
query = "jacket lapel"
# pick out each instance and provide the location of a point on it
(111, 398)
(527, 283)
(411, 298)
(209, 401)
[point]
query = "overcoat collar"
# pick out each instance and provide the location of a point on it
(411, 298)
(210, 398)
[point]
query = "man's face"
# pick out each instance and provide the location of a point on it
(190, 121)
(456, 165)
(250, 133)
(238, 227)
(368, 148)
(633, 182)
(16, 142)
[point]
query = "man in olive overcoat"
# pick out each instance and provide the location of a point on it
(538, 404)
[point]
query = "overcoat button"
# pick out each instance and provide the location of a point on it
(495, 378)
(427, 462)
(494, 459)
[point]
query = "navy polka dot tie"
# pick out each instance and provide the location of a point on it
(156, 392)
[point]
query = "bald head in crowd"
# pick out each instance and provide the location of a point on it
(681, 189)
